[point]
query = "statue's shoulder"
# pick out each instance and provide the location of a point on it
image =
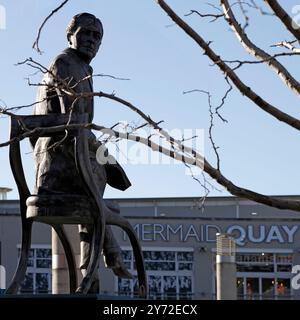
(64, 60)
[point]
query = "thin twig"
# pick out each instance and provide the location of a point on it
(36, 42)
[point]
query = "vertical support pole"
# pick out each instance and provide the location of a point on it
(226, 267)
(2, 278)
(60, 274)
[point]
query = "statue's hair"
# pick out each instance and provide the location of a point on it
(71, 28)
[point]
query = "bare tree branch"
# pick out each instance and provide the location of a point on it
(257, 52)
(241, 63)
(260, 9)
(36, 42)
(207, 15)
(240, 85)
(288, 45)
(98, 75)
(210, 130)
(195, 160)
(223, 101)
(202, 184)
(244, 12)
(27, 105)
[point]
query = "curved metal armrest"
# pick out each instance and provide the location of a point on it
(23, 123)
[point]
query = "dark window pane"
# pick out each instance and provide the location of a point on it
(185, 266)
(42, 283)
(30, 263)
(43, 253)
(284, 268)
(159, 255)
(185, 256)
(255, 267)
(43, 263)
(164, 266)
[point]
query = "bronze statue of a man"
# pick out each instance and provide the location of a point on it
(56, 171)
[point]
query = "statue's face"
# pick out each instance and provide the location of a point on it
(86, 40)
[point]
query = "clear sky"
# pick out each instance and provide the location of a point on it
(141, 43)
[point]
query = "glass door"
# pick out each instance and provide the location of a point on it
(267, 288)
(252, 288)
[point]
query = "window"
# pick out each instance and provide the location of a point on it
(38, 273)
(264, 262)
(284, 262)
(264, 275)
(170, 274)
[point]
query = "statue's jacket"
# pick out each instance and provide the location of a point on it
(56, 171)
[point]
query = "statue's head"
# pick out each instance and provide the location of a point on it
(85, 33)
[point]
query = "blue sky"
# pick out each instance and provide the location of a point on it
(141, 43)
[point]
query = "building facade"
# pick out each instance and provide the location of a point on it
(178, 237)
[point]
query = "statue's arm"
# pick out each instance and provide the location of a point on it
(62, 79)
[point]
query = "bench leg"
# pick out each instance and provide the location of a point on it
(22, 264)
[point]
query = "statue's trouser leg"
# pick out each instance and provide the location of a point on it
(86, 233)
